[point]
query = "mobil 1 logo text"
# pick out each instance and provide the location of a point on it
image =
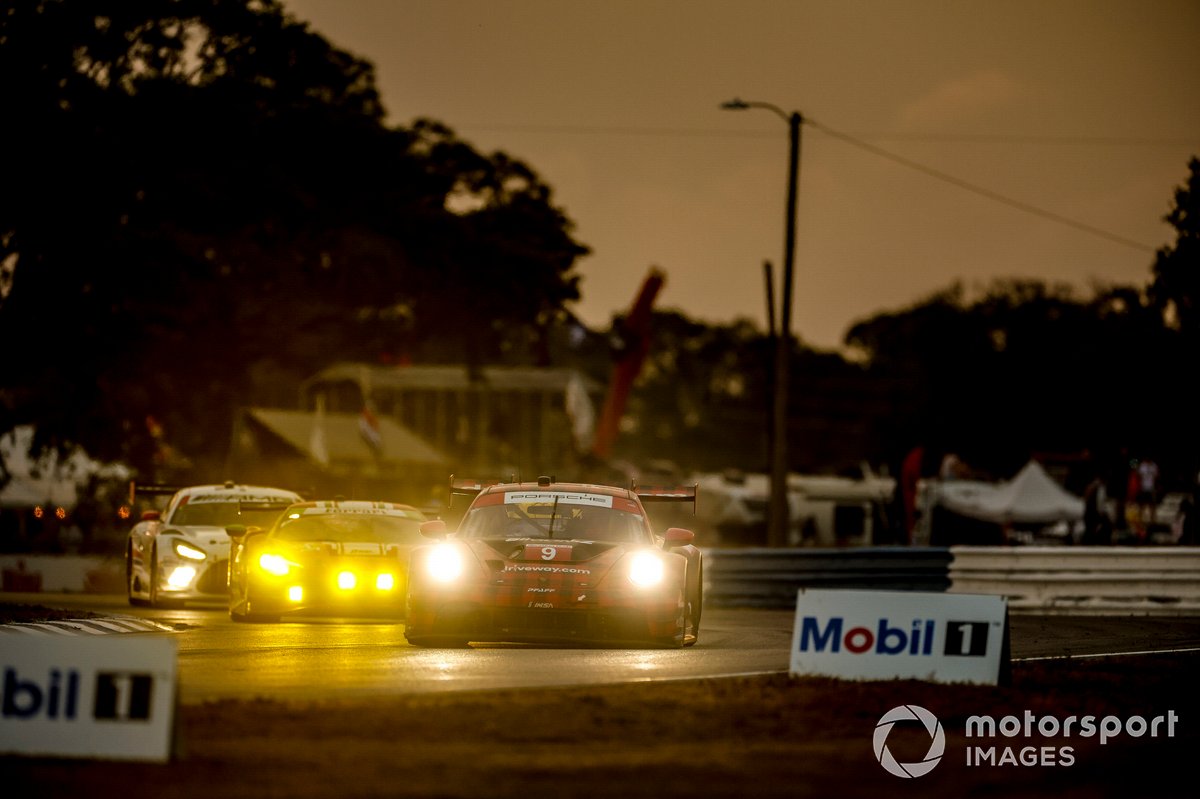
(907, 634)
(110, 697)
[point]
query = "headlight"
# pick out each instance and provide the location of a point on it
(646, 569)
(346, 581)
(181, 577)
(385, 582)
(444, 563)
(274, 564)
(185, 550)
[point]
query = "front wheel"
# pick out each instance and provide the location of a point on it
(695, 607)
(248, 617)
(679, 638)
(130, 579)
(155, 600)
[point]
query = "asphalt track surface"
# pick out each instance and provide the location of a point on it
(346, 708)
(321, 658)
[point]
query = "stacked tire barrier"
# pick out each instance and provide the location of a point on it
(1067, 580)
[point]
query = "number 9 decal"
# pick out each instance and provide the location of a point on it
(548, 553)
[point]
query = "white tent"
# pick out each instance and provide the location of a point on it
(1031, 497)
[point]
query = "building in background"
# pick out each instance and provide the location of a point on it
(491, 421)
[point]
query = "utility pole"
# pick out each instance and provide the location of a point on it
(778, 513)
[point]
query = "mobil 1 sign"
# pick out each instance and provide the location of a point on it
(106, 697)
(881, 635)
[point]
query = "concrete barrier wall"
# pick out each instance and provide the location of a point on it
(62, 574)
(1069, 580)
(1150, 580)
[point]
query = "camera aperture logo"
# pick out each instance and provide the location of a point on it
(937, 741)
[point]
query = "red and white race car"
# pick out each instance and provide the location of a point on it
(551, 562)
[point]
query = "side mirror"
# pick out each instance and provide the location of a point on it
(151, 515)
(677, 537)
(434, 528)
(237, 531)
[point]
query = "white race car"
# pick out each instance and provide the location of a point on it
(182, 552)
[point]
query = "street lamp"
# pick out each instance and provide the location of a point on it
(778, 514)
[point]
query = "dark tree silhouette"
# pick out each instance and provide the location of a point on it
(198, 189)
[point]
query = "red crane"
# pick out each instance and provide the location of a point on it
(631, 342)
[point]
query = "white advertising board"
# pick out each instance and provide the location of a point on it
(882, 635)
(107, 697)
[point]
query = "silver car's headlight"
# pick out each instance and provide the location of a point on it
(186, 550)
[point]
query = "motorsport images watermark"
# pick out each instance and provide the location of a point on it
(1028, 726)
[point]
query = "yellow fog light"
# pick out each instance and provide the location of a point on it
(295, 593)
(346, 580)
(181, 577)
(385, 582)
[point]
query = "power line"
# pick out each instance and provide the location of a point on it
(1020, 205)
(988, 193)
(966, 138)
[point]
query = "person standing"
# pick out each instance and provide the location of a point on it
(1147, 492)
(1097, 525)
(1189, 516)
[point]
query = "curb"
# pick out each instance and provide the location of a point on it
(105, 626)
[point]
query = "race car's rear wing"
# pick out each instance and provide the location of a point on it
(162, 489)
(469, 487)
(668, 494)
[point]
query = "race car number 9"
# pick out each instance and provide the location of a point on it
(547, 552)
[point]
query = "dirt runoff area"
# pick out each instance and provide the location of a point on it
(753, 736)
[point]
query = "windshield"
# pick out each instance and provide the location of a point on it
(533, 520)
(357, 528)
(223, 514)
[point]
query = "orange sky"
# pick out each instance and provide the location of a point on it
(1085, 110)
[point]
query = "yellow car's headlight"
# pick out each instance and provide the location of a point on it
(646, 569)
(444, 564)
(274, 564)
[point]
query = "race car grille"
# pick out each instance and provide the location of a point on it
(590, 625)
(215, 579)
